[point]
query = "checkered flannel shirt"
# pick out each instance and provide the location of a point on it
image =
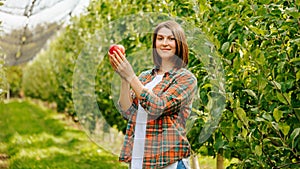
(168, 106)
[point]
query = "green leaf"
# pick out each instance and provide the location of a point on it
(298, 75)
(295, 134)
(259, 56)
(218, 144)
(251, 93)
(295, 61)
(262, 82)
(230, 27)
(225, 47)
(257, 30)
(208, 85)
(241, 114)
(297, 112)
(293, 12)
(275, 126)
(276, 85)
(237, 103)
(267, 116)
(239, 124)
(244, 132)
(265, 1)
(285, 128)
(281, 98)
(277, 114)
(259, 119)
(258, 150)
(288, 96)
(229, 133)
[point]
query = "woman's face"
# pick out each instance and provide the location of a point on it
(165, 43)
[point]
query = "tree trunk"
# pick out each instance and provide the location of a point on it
(195, 162)
(220, 161)
(8, 93)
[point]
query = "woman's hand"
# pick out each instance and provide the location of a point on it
(121, 65)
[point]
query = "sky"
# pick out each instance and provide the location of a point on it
(16, 14)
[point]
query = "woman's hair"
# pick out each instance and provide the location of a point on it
(182, 51)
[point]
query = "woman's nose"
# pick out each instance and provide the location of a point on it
(165, 41)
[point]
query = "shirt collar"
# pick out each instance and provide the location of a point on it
(170, 72)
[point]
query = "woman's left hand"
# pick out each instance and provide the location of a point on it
(121, 65)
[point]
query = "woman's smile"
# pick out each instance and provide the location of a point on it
(165, 43)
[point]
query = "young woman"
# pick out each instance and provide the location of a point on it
(157, 103)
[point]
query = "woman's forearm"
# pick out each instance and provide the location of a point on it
(125, 99)
(137, 86)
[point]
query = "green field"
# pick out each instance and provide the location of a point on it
(34, 137)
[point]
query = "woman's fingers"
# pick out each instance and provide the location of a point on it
(112, 61)
(120, 63)
(122, 55)
(119, 56)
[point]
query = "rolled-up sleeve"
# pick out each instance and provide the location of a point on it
(127, 114)
(131, 110)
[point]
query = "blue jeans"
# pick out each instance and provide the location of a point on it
(180, 165)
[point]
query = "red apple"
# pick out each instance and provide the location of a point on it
(114, 47)
(121, 48)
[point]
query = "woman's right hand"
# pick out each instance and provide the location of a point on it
(121, 65)
(110, 57)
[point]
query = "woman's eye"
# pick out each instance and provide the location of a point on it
(159, 38)
(172, 38)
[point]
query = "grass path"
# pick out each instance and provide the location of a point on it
(34, 137)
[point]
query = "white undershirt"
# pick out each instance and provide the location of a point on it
(140, 134)
(140, 130)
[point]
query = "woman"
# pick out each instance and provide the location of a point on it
(157, 103)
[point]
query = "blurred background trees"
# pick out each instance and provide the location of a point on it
(256, 42)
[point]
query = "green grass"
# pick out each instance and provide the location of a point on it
(208, 162)
(34, 137)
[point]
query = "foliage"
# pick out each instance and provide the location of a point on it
(58, 63)
(38, 138)
(45, 88)
(14, 79)
(3, 80)
(258, 44)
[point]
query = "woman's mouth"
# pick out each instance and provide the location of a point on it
(165, 49)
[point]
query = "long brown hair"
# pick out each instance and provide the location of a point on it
(182, 51)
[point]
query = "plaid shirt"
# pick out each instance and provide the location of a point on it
(168, 107)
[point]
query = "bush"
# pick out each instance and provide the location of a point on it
(3, 80)
(14, 78)
(258, 44)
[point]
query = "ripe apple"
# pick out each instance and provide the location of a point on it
(114, 47)
(122, 48)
